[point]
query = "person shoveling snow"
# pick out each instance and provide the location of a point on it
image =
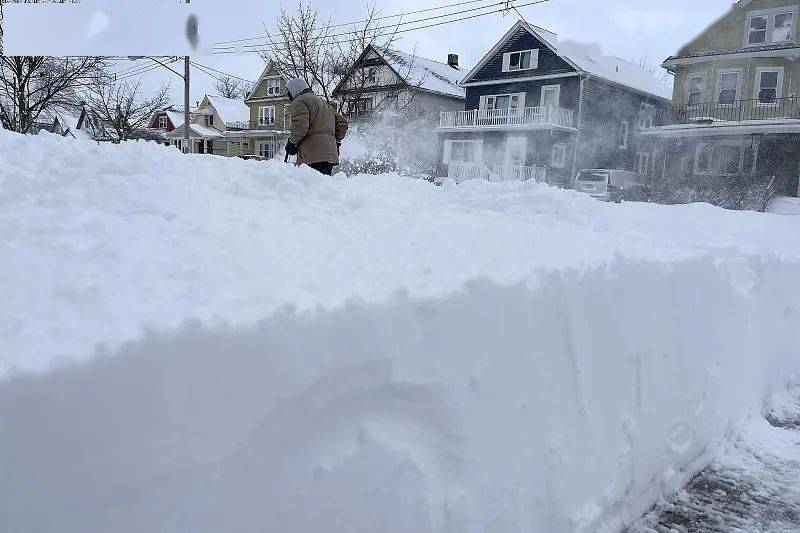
(317, 131)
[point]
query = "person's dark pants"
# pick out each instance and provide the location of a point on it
(323, 168)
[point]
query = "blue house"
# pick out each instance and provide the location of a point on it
(540, 109)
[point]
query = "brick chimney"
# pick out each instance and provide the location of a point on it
(452, 60)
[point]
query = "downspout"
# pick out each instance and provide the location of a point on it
(578, 135)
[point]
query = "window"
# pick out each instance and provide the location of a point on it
(642, 163)
(768, 85)
(758, 30)
(362, 106)
(770, 26)
(559, 155)
(727, 86)
(523, 60)
(273, 87)
(266, 115)
(462, 152)
(623, 135)
(695, 87)
(646, 116)
(551, 94)
(210, 120)
(782, 28)
(720, 158)
(162, 122)
(266, 149)
(504, 101)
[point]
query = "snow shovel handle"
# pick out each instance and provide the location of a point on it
(286, 158)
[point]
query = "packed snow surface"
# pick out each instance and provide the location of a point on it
(193, 343)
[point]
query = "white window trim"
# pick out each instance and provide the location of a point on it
(163, 122)
(261, 144)
(448, 150)
(689, 77)
(757, 85)
(268, 85)
(534, 60)
(483, 104)
(261, 115)
(551, 87)
(713, 146)
(559, 149)
(640, 169)
(623, 140)
(770, 14)
(646, 116)
(740, 76)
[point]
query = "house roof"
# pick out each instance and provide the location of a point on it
(426, 74)
(586, 59)
(590, 59)
(195, 130)
(230, 109)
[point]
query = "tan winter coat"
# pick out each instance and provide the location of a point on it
(315, 129)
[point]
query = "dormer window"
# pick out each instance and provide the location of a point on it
(522, 60)
(771, 26)
(273, 87)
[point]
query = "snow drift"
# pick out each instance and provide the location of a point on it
(192, 343)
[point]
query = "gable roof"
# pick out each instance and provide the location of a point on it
(230, 109)
(418, 72)
(585, 59)
(426, 74)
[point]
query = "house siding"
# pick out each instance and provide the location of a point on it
(790, 87)
(569, 97)
(605, 107)
(728, 33)
(549, 62)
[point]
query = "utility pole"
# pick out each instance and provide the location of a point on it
(187, 144)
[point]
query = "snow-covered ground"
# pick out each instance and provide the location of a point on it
(194, 343)
(784, 205)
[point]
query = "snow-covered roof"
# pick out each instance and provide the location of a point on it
(230, 109)
(176, 117)
(590, 59)
(425, 73)
(197, 130)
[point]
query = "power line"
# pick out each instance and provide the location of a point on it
(392, 26)
(220, 72)
(407, 30)
(260, 37)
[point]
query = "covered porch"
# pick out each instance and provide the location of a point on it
(544, 156)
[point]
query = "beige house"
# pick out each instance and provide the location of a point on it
(266, 132)
(736, 99)
(214, 127)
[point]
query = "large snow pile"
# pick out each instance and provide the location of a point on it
(193, 343)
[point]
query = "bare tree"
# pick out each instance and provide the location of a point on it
(122, 107)
(230, 87)
(306, 47)
(30, 85)
(656, 70)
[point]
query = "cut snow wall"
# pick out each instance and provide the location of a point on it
(568, 407)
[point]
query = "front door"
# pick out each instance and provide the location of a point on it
(516, 149)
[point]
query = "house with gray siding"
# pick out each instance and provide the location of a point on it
(540, 109)
(736, 99)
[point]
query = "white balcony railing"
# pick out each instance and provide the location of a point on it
(528, 116)
(459, 172)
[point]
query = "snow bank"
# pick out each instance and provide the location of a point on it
(199, 344)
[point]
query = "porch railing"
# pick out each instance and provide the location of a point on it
(459, 172)
(738, 111)
(528, 116)
(252, 125)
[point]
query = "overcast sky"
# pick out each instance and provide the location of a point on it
(629, 29)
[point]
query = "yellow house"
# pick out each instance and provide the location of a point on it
(267, 130)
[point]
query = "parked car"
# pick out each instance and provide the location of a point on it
(250, 157)
(609, 185)
(784, 205)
